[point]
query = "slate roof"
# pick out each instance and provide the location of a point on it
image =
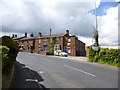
(18, 38)
(28, 38)
(44, 36)
(56, 35)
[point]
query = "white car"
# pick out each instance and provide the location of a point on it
(60, 53)
(20, 49)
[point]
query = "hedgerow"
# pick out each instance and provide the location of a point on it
(105, 56)
(9, 50)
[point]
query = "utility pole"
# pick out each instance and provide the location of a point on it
(95, 33)
(96, 28)
(50, 33)
(50, 40)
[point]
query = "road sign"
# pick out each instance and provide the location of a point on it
(96, 48)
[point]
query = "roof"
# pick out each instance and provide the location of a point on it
(18, 38)
(44, 36)
(28, 38)
(56, 35)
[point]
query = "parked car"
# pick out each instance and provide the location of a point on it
(60, 53)
(21, 49)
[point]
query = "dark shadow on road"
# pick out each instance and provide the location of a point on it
(24, 77)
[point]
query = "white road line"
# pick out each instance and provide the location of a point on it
(80, 70)
(32, 80)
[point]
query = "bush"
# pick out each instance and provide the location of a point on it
(9, 52)
(105, 56)
(92, 53)
(4, 50)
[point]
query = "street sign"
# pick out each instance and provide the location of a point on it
(96, 48)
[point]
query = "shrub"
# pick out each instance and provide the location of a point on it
(4, 50)
(53, 43)
(105, 56)
(91, 53)
(96, 58)
(9, 51)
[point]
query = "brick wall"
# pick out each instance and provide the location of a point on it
(72, 46)
(87, 50)
(26, 44)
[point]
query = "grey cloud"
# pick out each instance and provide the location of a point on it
(36, 17)
(31, 18)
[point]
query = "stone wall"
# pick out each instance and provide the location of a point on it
(7, 79)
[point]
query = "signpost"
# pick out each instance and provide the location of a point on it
(96, 48)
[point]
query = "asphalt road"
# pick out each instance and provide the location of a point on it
(34, 70)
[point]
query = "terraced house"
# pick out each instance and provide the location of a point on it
(47, 43)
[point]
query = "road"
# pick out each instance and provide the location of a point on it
(58, 72)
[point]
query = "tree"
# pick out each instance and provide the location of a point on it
(53, 43)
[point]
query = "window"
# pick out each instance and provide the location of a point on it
(57, 39)
(39, 47)
(56, 47)
(44, 39)
(50, 40)
(69, 39)
(39, 41)
(68, 50)
(68, 44)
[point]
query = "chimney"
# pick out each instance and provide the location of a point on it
(31, 35)
(40, 34)
(13, 35)
(67, 32)
(25, 34)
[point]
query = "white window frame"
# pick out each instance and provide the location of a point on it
(39, 41)
(45, 39)
(69, 39)
(57, 39)
(50, 40)
(69, 51)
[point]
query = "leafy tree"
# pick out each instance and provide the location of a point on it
(53, 43)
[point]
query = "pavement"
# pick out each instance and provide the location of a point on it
(62, 72)
(25, 77)
(78, 58)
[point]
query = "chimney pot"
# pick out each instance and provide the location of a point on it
(67, 32)
(31, 35)
(25, 34)
(13, 35)
(40, 34)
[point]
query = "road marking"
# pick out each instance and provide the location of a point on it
(41, 72)
(80, 70)
(32, 80)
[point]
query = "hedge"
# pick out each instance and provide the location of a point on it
(9, 50)
(3, 51)
(105, 56)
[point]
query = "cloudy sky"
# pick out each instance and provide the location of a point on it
(33, 16)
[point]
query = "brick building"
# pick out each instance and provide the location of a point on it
(65, 42)
(25, 42)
